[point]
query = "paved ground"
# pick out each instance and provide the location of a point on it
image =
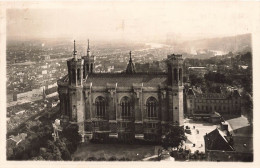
(195, 137)
(144, 152)
(132, 152)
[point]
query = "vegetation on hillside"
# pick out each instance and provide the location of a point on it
(39, 143)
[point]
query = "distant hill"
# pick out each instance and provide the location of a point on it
(239, 43)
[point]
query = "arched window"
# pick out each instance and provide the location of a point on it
(175, 73)
(125, 107)
(151, 106)
(100, 107)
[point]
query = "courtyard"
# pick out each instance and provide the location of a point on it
(198, 130)
(134, 152)
(131, 152)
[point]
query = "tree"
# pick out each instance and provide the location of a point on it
(174, 138)
(37, 158)
(51, 152)
(73, 137)
(195, 80)
(60, 143)
(249, 107)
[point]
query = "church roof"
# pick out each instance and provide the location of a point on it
(225, 93)
(123, 79)
(216, 140)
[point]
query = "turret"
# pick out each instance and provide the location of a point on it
(88, 50)
(89, 63)
(175, 67)
(75, 69)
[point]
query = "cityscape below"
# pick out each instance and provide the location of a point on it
(130, 101)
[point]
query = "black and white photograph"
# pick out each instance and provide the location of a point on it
(123, 81)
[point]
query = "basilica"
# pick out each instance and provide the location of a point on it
(125, 105)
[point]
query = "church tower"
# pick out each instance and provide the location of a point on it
(75, 69)
(130, 69)
(76, 105)
(89, 63)
(175, 88)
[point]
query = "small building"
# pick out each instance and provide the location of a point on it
(221, 145)
(200, 71)
(227, 102)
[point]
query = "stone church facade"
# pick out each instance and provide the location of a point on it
(125, 105)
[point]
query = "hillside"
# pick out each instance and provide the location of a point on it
(239, 43)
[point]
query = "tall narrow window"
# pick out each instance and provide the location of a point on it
(87, 68)
(125, 107)
(100, 107)
(151, 106)
(170, 75)
(91, 68)
(73, 76)
(175, 73)
(84, 72)
(78, 73)
(180, 74)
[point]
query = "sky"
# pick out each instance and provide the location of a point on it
(135, 21)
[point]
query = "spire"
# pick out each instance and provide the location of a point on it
(75, 52)
(88, 50)
(130, 69)
(130, 53)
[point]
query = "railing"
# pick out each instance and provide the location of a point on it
(100, 125)
(127, 117)
(151, 131)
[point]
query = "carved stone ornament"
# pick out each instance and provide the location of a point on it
(87, 94)
(137, 92)
(163, 94)
(112, 92)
